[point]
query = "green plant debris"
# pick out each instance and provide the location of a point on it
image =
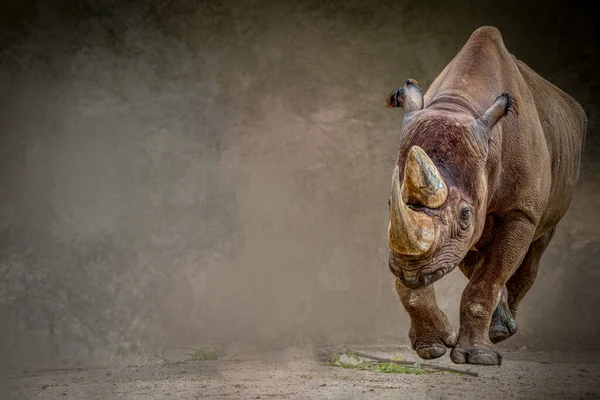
(352, 361)
(206, 353)
(393, 368)
(344, 357)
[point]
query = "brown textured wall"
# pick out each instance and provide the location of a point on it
(219, 170)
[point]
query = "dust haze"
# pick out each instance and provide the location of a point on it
(218, 171)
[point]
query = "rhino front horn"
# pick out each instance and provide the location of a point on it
(423, 185)
(410, 233)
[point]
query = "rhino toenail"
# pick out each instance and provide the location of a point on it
(512, 326)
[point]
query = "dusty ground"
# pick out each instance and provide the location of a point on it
(295, 374)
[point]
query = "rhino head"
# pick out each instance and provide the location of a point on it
(439, 185)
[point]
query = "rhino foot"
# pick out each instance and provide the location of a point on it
(430, 341)
(476, 355)
(503, 323)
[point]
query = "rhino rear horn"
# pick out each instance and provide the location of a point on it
(423, 184)
(409, 97)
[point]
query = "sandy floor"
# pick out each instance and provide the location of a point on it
(295, 374)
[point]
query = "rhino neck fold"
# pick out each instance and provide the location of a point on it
(455, 101)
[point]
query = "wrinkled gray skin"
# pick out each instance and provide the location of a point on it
(507, 145)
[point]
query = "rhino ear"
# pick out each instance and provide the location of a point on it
(503, 104)
(409, 97)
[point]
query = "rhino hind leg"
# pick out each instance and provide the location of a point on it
(524, 277)
(503, 323)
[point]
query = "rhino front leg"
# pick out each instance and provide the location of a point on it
(430, 331)
(484, 292)
(503, 324)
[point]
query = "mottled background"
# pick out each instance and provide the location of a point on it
(182, 171)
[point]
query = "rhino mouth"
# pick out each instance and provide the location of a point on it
(416, 281)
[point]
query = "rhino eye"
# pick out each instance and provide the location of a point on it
(464, 214)
(464, 217)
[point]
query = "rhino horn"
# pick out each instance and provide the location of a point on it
(423, 185)
(410, 233)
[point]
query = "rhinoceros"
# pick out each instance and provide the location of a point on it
(487, 165)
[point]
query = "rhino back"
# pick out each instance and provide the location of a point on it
(564, 124)
(481, 70)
